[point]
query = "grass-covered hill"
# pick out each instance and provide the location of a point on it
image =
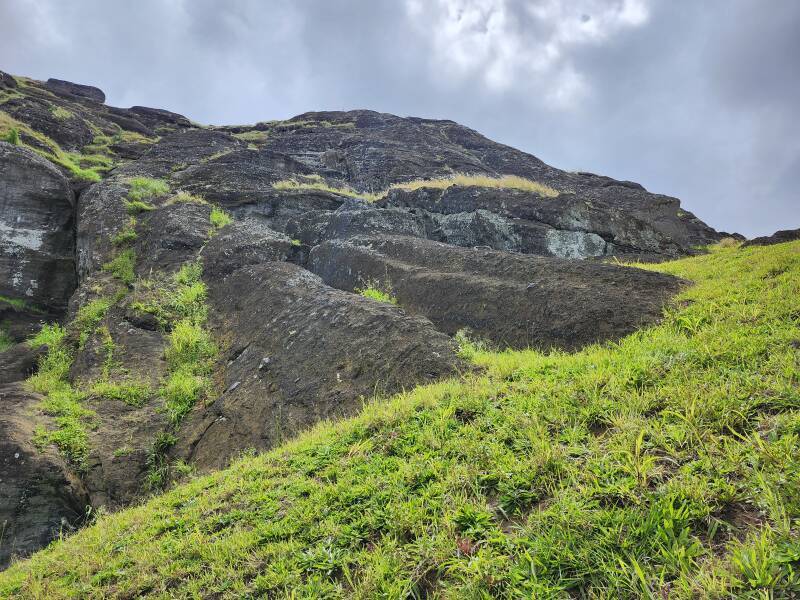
(666, 465)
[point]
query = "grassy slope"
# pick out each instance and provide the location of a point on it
(665, 465)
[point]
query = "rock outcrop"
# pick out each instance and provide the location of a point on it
(779, 237)
(254, 240)
(37, 247)
(509, 299)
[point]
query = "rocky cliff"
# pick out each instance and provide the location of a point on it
(212, 290)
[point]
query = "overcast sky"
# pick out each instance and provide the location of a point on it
(699, 100)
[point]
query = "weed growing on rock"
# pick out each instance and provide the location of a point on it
(12, 137)
(62, 401)
(186, 198)
(219, 218)
(60, 113)
(131, 392)
(126, 236)
(375, 290)
(146, 188)
(510, 182)
(121, 266)
(5, 340)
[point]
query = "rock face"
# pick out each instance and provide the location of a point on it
(509, 299)
(311, 216)
(76, 89)
(304, 352)
(39, 496)
(37, 221)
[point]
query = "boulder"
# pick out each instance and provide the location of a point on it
(509, 299)
(59, 86)
(779, 237)
(301, 352)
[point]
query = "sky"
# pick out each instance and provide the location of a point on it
(698, 100)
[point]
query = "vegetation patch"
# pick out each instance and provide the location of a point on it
(121, 266)
(128, 235)
(20, 305)
(219, 218)
(129, 391)
(19, 133)
(664, 465)
(146, 188)
(509, 182)
(5, 340)
(62, 401)
(380, 291)
(186, 198)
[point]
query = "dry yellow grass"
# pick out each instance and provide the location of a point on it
(510, 182)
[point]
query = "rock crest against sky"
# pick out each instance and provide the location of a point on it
(695, 100)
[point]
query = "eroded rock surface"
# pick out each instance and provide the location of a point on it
(510, 299)
(312, 219)
(37, 265)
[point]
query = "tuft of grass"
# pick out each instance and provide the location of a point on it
(20, 305)
(131, 392)
(219, 218)
(121, 266)
(5, 340)
(317, 184)
(12, 137)
(135, 207)
(127, 236)
(665, 464)
(375, 290)
(146, 188)
(60, 113)
(186, 198)
(511, 182)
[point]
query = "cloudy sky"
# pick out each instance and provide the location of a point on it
(700, 100)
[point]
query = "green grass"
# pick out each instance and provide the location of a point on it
(219, 218)
(131, 392)
(60, 113)
(186, 198)
(145, 188)
(19, 305)
(375, 290)
(61, 400)
(122, 265)
(12, 137)
(127, 236)
(664, 465)
(5, 340)
(13, 131)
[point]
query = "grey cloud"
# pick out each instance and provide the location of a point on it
(699, 100)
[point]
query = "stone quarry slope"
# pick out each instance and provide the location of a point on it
(214, 290)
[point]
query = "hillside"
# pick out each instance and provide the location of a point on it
(664, 465)
(175, 296)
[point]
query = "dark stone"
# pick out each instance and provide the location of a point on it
(19, 362)
(7, 82)
(60, 86)
(779, 237)
(512, 300)
(328, 350)
(36, 230)
(39, 497)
